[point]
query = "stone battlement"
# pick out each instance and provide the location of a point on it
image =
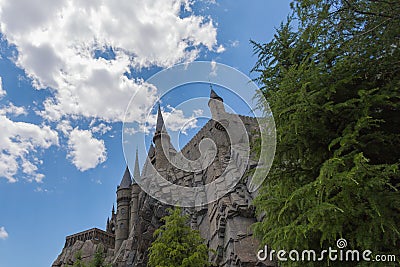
(94, 234)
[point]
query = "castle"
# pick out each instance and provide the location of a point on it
(225, 224)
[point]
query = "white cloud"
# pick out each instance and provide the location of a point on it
(18, 141)
(3, 233)
(198, 112)
(85, 151)
(235, 43)
(174, 119)
(101, 128)
(64, 126)
(57, 46)
(220, 49)
(131, 130)
(13, 110)
(213, 72)
(41, 190)
(2, 91)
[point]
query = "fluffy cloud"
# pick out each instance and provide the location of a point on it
(85, 51)
(59, 47)
(174, 119)
(2, 91)
(85, 151)
(10, 109)
(101, 128)
(18, 141)
(3, 233)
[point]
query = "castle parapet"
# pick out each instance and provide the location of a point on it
(94, 234)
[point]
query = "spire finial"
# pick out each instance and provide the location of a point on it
(136, 172)
(160, 120)
(113, 210)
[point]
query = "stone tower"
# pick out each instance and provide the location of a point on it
(162, 143)
(221, 121)
(123, 201)
(216, 105)
(135, 195)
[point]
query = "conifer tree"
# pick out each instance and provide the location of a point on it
(177, 245)
(97, 261)
(331, 75)
(99, 258)
(78, 260)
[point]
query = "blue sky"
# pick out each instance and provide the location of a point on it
(68, 70)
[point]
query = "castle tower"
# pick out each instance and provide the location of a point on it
(161, 141)
(123, 200)
(216, 105)
(135, 194)
(220, 116)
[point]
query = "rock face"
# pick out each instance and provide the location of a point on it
(225, 224)
(87, 249)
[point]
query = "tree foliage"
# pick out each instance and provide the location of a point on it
(331, 75)
(97, 261)
(177, 245)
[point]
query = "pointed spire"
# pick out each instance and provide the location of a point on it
(213, 94)
(113, 210)
(136, 172)
(160, 127)
(126, 179)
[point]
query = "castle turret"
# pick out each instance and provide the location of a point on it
(135, 194)
(216, 104)
(123, 200)
(161, 141)
(111, 222)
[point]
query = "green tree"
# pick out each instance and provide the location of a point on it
(78, 260)
(331, 75)
(177, 245)
(97, 261)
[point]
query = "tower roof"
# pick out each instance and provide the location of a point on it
(126, 179)
(160, 121)
(136, 172)
(213, 95)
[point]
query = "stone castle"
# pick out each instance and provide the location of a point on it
(225, 224)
